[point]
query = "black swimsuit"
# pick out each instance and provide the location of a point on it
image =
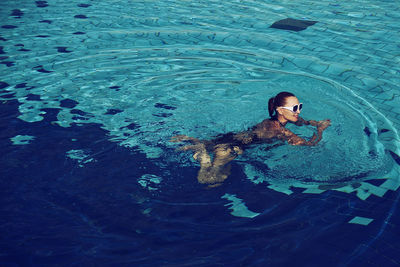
(229, 139)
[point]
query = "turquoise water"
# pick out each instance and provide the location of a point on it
(147, 70)
(209, 67)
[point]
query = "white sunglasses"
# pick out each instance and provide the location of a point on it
(294, 108)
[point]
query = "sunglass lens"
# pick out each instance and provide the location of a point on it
(295, 108)
(300, 106)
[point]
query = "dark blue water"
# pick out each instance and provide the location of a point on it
(59, 211)
(55, 213)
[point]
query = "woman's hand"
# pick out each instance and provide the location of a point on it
(322, 125)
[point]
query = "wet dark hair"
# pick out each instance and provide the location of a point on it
(277, 101)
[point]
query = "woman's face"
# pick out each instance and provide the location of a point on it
(288, 114)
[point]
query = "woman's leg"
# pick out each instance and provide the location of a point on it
(219, 170)
(211, 172)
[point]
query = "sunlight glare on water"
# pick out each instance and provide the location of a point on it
(92, 91)
(148, 78)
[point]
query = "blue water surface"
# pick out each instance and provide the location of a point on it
(91, 92)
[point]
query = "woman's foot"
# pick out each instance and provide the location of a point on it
(202, 156)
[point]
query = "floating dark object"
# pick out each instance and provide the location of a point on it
(293, 24)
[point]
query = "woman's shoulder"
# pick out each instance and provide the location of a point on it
(266, 129)
(267, 124)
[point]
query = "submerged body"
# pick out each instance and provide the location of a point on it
(227, 147)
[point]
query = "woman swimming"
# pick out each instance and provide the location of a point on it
(283, 108)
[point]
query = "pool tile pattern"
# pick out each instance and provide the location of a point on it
(357, 49)
(361, 220)
(238, 207)
(344, 47)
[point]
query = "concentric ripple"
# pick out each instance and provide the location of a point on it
(354, 149)
(147, 79)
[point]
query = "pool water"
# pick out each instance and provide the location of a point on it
(92, 92)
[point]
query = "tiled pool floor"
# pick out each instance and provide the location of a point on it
(136, 70)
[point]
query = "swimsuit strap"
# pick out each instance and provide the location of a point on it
(283, 125)
(275, 118)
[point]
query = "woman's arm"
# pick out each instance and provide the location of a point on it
(301, 122)
(296, 140)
